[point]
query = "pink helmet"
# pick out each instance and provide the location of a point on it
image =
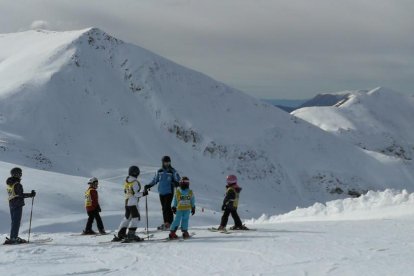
(231, 179)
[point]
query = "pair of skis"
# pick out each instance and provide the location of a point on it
(37, 241)
(225, 231)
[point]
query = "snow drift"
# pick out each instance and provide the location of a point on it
(373, 205)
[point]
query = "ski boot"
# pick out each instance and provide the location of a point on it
(117, 239)
(14, 241)
(88, 232)
(131, 237)
(186, 235)
(120, 236)
(222, 228)
(172, 235)
(102, 232)
(164, 227)
(241, 227)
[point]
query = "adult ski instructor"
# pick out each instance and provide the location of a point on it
(168, 179)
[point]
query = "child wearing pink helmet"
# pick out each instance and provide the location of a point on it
(230, 204)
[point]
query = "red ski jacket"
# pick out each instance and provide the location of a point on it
(92, 200)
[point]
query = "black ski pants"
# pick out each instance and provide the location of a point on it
(234, 214)
(167, 213)
(94, 215)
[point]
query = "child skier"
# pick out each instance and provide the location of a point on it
(93, 208)
(16, 203)
(230, 204)
(132, 190)
(183, 205)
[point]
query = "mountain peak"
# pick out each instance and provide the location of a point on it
(95, 35)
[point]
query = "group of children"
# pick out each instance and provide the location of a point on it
(178, 200)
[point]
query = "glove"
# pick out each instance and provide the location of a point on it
(193, 211)
(33, 193)
(147, 187)
(98, 209)
(174, 210)
(145, 193)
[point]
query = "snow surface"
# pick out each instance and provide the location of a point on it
(319, 240)
(85, 103)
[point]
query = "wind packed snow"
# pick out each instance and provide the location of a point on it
(373, 205)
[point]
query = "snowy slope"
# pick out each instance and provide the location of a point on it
(379, 120)
(85, 103)
(369, 246)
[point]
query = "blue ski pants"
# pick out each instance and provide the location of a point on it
(16, 218)
(182, 217)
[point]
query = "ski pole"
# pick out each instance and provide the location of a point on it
(30, 222)
(146, 214)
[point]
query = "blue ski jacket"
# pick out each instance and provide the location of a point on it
(167, 178)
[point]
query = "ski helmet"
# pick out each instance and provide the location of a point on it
(166, 159)
(93, 181)
(184, 182)
(134, 171)
(16, 172)
(231, 179)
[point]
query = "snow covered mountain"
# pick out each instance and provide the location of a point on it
(326, 99)
(379, 120)
(85, 103)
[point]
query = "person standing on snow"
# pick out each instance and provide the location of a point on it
(183, 205)
(93, 208)
(167, 178)
(230, 204)
(132, 190)
(16, 203)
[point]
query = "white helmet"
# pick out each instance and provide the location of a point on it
(93, 181)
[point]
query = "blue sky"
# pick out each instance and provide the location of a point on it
(269, 49)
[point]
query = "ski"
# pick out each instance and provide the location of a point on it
(138, 241)
(216, 230)
(37, 241)
(180, 239)
(89, 235)
(123, 240)
(45, 240)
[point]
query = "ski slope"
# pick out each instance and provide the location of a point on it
(305, 246)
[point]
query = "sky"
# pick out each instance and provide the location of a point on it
(275, 49)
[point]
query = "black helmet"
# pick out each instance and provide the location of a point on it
(16, 172)
(166, 159)
(134, 171)
(184, 182)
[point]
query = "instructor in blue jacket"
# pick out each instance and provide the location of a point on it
(168, 179)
